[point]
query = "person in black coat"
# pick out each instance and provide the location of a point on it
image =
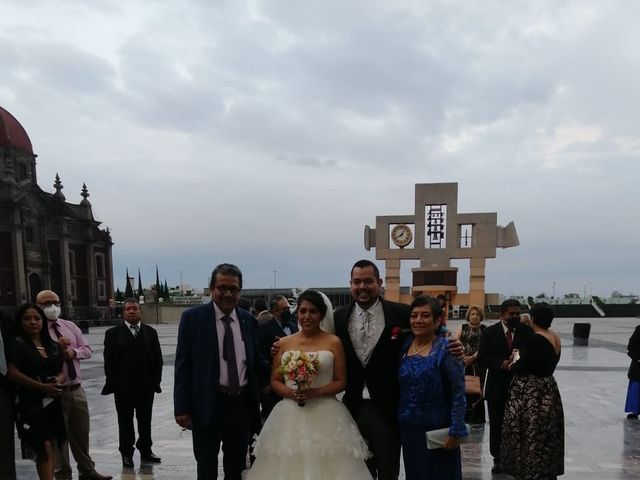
(133, 370)
(280, 325)
(632, 405)
(497, 344)
(370, 332)
(7, 402)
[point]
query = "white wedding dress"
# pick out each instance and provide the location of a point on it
(319, 441)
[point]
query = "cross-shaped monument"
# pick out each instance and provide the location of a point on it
(435, 234)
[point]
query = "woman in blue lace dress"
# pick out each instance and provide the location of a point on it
(431, 397)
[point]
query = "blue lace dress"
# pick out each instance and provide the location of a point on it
(431, 397)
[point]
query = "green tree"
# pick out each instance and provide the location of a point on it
(119, 296)
(140, 290)
(128, 291)
(158, 286)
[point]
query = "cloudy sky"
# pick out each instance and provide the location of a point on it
(269, 133)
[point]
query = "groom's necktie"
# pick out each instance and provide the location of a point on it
(366, 322)
(71, 368)
(365, 334)
(229, 354)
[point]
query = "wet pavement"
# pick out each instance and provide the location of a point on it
(600, 443)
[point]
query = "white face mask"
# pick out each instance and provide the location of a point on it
(52, 312)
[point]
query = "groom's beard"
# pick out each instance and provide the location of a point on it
(365, 298)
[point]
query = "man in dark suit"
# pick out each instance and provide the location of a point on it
(133, 370)
(496, 347)
(367, 328)
(218, 373)
(280, 325)
(7, 403)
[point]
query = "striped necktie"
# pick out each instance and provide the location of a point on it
(135, 329)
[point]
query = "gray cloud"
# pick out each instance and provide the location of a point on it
(270, 134)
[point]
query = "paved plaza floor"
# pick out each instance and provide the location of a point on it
(600, 442)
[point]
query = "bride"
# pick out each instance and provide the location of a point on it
(319, 440)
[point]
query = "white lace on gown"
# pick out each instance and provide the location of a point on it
(319, 441)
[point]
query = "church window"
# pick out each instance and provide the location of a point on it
(100, 265)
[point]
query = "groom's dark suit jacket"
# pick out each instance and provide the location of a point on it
(381, 372)
(197, 366)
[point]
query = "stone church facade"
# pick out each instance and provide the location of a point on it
(45, 241)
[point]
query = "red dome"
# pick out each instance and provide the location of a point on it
(12, 134)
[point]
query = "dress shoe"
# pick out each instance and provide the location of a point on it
(127, 462)
(150, 457)
(632, 416)
(98, 476)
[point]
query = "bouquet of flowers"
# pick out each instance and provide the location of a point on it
(299, 368)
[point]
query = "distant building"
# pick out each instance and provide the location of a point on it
(45, 241)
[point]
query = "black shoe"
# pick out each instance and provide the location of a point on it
(632, 416)
(127, 462)
(496, 469)
(150, 457)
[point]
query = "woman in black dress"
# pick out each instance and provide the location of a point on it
(36, 366)
(632, 405)
(533, 427)
(469, 334)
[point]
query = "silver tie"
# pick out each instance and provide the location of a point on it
(366, 334)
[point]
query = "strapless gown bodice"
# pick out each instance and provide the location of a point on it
(314, 442)
(325, 372)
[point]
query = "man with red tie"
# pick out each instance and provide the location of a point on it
(496, 346)
(74, 347)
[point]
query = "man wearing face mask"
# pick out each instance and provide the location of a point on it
(495, 354)
(281, 325)
(74, 347)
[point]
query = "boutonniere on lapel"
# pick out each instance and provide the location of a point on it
(397, 332)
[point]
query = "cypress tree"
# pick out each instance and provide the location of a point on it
(159, 293)
(128, 291)
(140, 290)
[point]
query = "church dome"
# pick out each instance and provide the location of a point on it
(12, 134)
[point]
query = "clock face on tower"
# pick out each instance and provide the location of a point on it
(401, 235)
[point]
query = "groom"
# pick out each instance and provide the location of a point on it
(367, 330)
